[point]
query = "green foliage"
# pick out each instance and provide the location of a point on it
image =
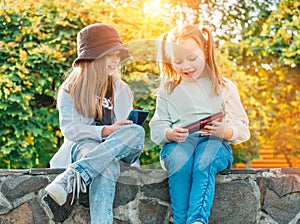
(267, 57)
(278, 35)
(38, 45)
(259, 51)
(261, 40)
(142, 76)
(275, 52)
(35, 51)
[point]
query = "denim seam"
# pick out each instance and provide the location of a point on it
(85, 176)
(204, 195)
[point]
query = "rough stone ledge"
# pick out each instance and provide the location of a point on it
(264, 196)
(48, 171)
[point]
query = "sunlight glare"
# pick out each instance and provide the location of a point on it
(152, 8)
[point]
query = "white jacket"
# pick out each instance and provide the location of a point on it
(191, 101)
(76, 127)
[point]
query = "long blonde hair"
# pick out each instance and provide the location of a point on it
(87, 84)
(204, 38)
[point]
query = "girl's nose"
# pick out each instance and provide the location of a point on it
(185, 65)
(114, 58)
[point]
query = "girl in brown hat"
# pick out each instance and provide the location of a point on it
(93, 104)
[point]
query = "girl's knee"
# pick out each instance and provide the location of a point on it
(216, 162)
(139, 130)
(179, 164)
(134, 130)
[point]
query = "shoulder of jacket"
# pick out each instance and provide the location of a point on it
(229, 84)
(119, 83)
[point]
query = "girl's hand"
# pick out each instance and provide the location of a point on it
(109, 129)
(177, 134)
(218, 128)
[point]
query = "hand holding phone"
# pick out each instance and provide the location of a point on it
(198, 125)
(138, 116)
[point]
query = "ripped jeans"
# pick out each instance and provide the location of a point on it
(192, 168)
(99, 167)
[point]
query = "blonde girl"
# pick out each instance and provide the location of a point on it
(193, 88)
(93, 104)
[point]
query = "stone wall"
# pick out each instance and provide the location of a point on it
(248, 196)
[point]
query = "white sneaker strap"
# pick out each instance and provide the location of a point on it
(77, 180)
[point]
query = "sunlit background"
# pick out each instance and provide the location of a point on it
(257, 44)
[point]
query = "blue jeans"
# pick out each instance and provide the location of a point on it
(192, 168)
(98, 165)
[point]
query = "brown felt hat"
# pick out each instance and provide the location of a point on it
(97, 40)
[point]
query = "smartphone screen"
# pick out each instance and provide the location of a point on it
(138, 116)
(198, 125)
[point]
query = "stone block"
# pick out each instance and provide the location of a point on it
(235, 202)
(260, 196)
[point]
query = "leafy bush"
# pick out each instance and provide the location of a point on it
(37, 47)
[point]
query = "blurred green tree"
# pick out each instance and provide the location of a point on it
(258, 48)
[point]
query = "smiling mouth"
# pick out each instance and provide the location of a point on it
(188, 73)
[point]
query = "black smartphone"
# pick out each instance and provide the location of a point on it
(138, 116)
(198, 125)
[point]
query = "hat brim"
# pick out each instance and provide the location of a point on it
(87, 55)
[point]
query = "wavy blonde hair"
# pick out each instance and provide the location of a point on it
(87, 84)
(170, 79)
